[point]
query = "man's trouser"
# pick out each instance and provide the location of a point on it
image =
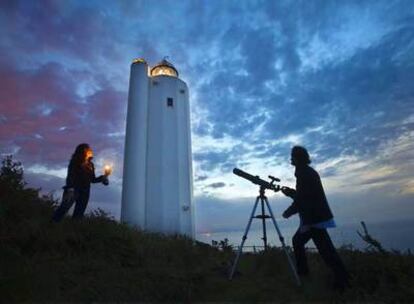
(326, 249)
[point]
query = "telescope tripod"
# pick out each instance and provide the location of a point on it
(264, 202)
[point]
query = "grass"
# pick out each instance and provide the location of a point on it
(98, 259)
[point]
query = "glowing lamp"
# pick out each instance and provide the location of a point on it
(164, 68)
(107, 169)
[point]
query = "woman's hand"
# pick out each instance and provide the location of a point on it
(286, 214)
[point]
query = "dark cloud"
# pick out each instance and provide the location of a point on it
(46, 182)
(200, 178)
(210, 159)
(50, 26)
(225, 161)
(216, 185)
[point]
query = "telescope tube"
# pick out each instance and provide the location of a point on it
(254, 179)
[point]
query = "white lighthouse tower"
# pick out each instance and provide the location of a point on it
(157, 192)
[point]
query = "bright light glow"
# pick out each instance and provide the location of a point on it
(108, 169)
(163, 70)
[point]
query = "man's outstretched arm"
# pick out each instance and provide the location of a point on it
(293, 208)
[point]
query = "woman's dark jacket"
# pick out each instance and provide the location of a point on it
(310, 200)
(80, 176)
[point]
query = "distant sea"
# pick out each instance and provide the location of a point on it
(395, 235)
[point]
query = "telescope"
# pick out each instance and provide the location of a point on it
(258, 181)
(263, 217)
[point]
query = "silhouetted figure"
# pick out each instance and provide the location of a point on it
(81, 173)
(310, 202)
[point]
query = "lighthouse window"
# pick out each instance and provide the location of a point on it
(170, 102)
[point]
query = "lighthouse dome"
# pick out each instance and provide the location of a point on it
(164, 68)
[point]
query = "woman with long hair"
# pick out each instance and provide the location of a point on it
(81, 173)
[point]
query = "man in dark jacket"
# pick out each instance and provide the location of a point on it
(310, 202)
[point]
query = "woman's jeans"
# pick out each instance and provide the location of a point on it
(81, 198)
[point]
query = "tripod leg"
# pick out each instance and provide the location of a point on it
(236, 260)
(263, 223)
(282, 240)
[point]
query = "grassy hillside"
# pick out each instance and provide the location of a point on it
(98, 259)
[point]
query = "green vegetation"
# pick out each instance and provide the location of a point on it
(98, 259)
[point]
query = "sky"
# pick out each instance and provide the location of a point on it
(333, 76)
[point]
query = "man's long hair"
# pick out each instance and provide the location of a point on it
(301, 154)
(78, 157)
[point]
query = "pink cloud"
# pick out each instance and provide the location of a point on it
(43, 115)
